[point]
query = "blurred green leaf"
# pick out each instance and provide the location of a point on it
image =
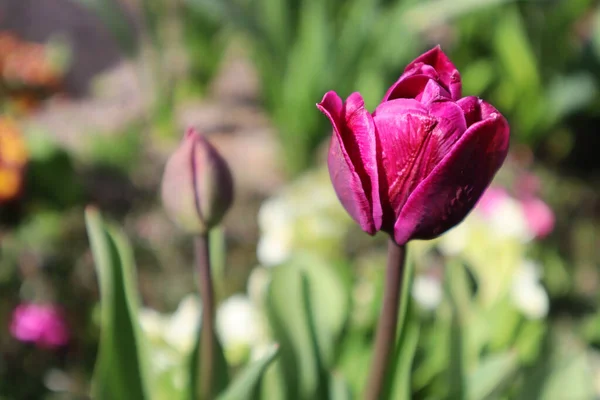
(339, 388)
(455, 277)
(563, 372)
(305, 74)
(291, 318)
(220, 373)
(246, 385)
(120, 371)
(567, 94)
(401, 385)
(492, 372)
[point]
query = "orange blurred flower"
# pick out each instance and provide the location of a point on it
(27, 72)
(13, 159)
(26, 63)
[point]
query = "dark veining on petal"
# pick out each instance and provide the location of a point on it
(414, 168)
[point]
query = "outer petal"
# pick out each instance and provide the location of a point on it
(434, 65)
(213, 182)
(352, 159)
(413, 139)
(178, 193)
(451, 190)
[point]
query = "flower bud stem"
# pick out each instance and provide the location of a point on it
(207, 335)
(386, 329)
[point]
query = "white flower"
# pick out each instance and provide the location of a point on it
(237, 322)
(152, 323)
(527, 293)
(181, 330)
(508, 219)
(177, 330)
(427, 291)
(276, 224)
(455, 240)
(258, 283)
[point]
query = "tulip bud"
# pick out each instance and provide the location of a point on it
(197, 187)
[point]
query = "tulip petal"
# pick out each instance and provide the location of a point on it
(449, 75)
(471, 109)
(352, 159)
(432, 65)
(178, 196)
(452, 189)
(433, 92)
(475, 109)
(413, 141)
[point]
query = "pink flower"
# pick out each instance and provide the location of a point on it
(43, 325)
(491, 200)
(417, 165)
(539, 216)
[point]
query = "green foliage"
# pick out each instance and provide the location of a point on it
(221, 372)
(121, 366)
(247, 385)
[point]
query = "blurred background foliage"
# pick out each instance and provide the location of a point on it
(94, 94)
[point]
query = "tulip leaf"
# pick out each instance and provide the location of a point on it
(120, 371)
(303, 84)
(339, 388)
(562, 372)
(246, 386)
(404, 356)
(220, 373)
(457, 338)
(290, 315)
(492, 372)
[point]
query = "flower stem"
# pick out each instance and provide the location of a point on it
(386, 329)
(208, 316)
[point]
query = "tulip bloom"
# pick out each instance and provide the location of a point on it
(417, 165)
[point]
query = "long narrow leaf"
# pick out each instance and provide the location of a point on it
(247, 385)
(120, 371)
(220, 375)
(292, 323)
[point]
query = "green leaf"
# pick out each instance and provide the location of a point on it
(220, 375)
(405, 354)
(120, 371)
(246, 385)
(339, 388)
(562, 372)
(492, 372)
(290, 316)
(459, 311)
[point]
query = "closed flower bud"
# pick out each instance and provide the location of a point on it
(197, 187)
(417, 165)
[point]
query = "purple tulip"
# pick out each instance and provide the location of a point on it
(43, 325)
(417, 165)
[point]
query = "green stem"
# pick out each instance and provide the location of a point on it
(388, 321)
(208, 317)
